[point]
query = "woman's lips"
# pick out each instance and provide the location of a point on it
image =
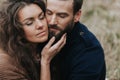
(43, 33)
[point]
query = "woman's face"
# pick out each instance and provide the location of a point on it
(34, 23)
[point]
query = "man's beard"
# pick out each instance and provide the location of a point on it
(67, 30)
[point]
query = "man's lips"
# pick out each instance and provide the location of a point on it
(55, 28)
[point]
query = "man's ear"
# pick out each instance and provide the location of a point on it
(77, 16)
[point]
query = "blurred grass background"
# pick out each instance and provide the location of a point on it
(103, 18)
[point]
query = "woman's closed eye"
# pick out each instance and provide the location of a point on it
(28, 23)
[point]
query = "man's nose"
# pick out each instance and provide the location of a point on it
(39, 24)
(53, 20)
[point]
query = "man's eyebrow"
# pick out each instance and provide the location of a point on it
(62, 13)
(58, 13)
(41, 13)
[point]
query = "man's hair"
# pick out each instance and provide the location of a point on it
(77, 5)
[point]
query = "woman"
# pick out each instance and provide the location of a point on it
(23, 30)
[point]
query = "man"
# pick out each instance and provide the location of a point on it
(82, 58)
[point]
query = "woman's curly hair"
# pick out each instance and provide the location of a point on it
(12, 39)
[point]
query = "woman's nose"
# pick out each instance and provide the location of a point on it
(39, 24)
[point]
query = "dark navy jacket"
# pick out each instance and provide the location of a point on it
(82, 58)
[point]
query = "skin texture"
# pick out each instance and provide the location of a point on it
(35, 29)
(34, 23)
(62, 18)
(81, 51)
(47, 54)
(59, 19)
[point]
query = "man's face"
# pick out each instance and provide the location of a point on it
(59, 15)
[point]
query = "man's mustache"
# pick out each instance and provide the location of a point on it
(55, 27)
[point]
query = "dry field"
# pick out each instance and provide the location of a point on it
(103, 18)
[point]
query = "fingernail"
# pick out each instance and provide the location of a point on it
(65, 34)
(53, 37)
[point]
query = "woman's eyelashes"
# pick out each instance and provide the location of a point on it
(28, 23)
(31, 21)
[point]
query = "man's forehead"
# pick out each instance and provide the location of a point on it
(60, 0)
(60, 4)
(65, 0)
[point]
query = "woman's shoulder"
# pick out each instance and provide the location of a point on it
(4, 58)
(6, 61)
(9, 70)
